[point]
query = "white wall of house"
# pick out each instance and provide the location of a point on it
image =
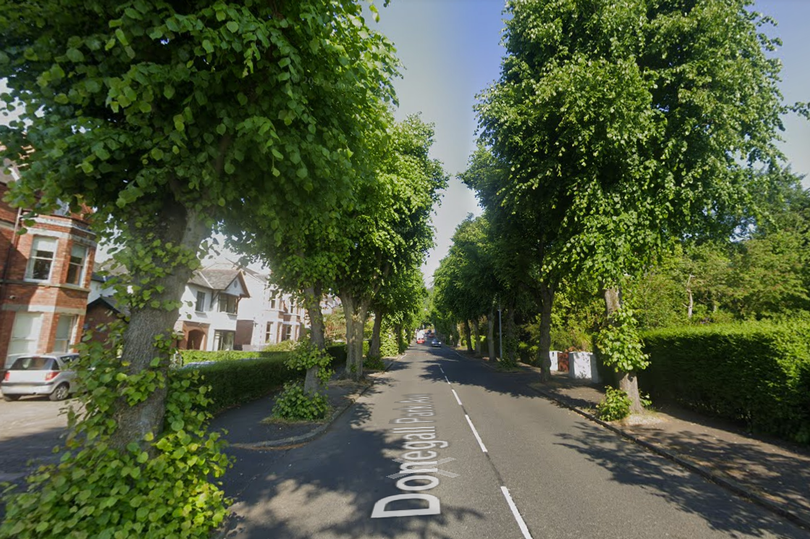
(266, 308)
(203, 306)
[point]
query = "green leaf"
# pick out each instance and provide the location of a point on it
(233, 26)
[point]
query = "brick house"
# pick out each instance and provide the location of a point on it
(45, 278)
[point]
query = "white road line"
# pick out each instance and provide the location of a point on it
(475, 432)
(516, 513)
(448, 380)
(457, 399)
(441, 370)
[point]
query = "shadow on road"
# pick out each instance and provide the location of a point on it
(324, 473)
(688, 491)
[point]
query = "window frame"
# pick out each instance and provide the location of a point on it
(228, 299)
(33, 259)
(82, 267)
(219, 342)
(201, 299)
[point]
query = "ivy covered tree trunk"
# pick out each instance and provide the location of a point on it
(312, 302)
(374, 347)
(628, 382)
(546, 304)
(476, 336)
(355, 311)
(491, 335)
(154, 307)
(468, 336)
(400, 338)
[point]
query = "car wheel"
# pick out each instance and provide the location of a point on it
(11, 398)
(60, 393)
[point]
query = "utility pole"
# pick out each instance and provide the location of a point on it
(500, 329)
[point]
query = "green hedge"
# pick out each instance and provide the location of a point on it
(240, 381)
(755, 373)
(195, 356)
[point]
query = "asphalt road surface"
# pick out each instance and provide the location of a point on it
(445, 447)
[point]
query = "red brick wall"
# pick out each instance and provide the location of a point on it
(52, 298)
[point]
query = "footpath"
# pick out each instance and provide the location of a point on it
(771, 473)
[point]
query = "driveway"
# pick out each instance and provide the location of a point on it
(29, 430)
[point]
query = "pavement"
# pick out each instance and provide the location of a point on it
(771, 473)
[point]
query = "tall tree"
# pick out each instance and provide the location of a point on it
(389, 229)
(642, 119)
(168, 117)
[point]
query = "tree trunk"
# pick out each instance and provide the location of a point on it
(400, 338)
(374, 347)
(511, 336)
(476, 337)
(355, 311)
(312, 302)
(467, 334)
(546, 304)
(627, 380)
(147, 324)
(491, 335)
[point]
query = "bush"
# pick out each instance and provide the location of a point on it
(237, 382)
(158, 488)
(294, 404)
(615, 406)
(754, 373)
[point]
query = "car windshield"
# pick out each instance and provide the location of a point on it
(35, 364)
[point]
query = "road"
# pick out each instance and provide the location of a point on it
(445, 447)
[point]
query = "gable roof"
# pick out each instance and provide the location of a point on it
(219, 279)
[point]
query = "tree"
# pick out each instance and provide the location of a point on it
(465, 283)
(389, 229)
(169, 118)
(641, 120)
(399, 301)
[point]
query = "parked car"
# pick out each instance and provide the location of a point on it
(435, 342)
(45, 374)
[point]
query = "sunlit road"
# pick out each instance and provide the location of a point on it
(444, 447)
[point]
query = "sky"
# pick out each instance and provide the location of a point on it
(451, 51)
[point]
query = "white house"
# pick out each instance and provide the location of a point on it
(267, 316)
(211, 300)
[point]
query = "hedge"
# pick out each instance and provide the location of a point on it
(237, 377)
(240, 381)
(754, 373)
(197, 356)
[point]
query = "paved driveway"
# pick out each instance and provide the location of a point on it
(29, 430)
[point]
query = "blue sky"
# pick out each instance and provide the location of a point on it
(451, 51)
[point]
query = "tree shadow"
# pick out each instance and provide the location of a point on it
(690, 492)
(347, 471)
(22, 455)
(783, 477)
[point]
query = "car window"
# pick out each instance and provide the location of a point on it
(35, 364)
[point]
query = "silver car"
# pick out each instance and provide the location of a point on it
(45, 374)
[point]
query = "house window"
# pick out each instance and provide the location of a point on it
(78, 255)
(288, 333)
(25, 334)
(64, 333)
(227, 303)
(223, 340)
(200, 302)
(268, 333)
(273, 300)
(41, 261)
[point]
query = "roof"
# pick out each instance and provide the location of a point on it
(109, 303)
(218, 279)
